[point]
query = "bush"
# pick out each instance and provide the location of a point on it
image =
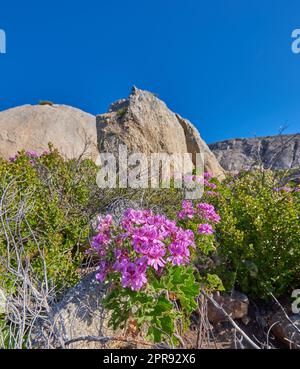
(47, 207)
(46, 204)
(259, 235)
(46, 102)
(121, 112)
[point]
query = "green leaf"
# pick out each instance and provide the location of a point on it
(167, 325)
(154, 334)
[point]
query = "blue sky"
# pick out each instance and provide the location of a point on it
(226, 65)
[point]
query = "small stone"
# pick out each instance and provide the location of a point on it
(236, 305)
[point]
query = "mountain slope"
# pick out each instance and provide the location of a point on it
(276, 152)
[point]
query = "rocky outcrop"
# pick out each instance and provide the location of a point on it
(142, 122)
(275, 152)
(195, 144)
(32, 127)
(145, 124)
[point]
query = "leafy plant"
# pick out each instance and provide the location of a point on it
(46, 203)
(148, 259)
(259, 234)
(121, 112)
(156, 306)
(46, 102)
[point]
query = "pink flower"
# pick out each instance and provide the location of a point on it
(187, 210)
(207, 175)
(179, 253)
(32, 154)
(122, 259)
(142, 241)
(211, 185)
(211, 193)
(155, 256)
(134, 275)
(134, 217)
(13, 158)
(207, 211)
(205, 229)
(179, 248)
(104, 223)
(103, 269)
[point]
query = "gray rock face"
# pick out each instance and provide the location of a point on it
(32, 127)
(145, 124)
(275, 152)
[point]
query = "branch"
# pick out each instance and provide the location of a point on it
(248, 339)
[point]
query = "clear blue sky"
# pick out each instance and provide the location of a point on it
(226, 65)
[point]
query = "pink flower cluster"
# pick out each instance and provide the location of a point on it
(187, 210)
(203, 211)
(286, 189)
(143, 241)
(31, 154)
(13, 158)
(207, 211)
(204, 180)
(205, 229)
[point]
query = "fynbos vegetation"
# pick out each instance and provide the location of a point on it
(160, 261)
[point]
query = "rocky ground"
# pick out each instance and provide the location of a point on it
(80, 315)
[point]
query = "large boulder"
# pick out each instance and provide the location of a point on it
(145, 124)
(81, 317)
(32, 127)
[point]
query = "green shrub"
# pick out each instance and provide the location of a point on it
(121, 112)
(46, 204)
(46, 102)
(259, 236)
